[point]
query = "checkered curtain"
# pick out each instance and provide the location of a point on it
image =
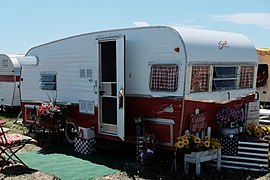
(164, 77)
(246, 76)
(199, 78)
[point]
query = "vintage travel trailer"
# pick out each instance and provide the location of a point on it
(263, 84)
(10, 70)
(160, 74)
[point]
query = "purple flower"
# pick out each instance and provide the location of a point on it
(225, 116)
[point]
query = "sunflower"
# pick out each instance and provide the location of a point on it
(179, 144)
(185, 141)
(206, 138)
(197, 140)
(191, 143)
(207, 144)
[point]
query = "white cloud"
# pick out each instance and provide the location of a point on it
(256, 19)
(140, 24)
(189, 26)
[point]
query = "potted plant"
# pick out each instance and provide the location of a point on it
(49, 113)
(230, 119)
(189, 143)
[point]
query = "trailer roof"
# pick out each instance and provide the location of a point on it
(201, 44)
(13, 58)
(216, 46)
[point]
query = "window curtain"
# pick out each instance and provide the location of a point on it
(246, 76)
(200, 78)
(164, 77)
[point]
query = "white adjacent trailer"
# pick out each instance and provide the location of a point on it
(10, 71)
(263, 83)
(161, 74)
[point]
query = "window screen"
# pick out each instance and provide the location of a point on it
(246, 76)
(164, 78)
(224, 78)
(225, 72)
(200, 79)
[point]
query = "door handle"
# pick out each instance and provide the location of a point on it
(121, 98)
(95, 86)
(102, 92)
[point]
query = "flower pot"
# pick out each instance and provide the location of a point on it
(226, 131)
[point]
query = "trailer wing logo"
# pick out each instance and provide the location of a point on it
(222, 44)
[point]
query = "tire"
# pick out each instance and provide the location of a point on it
(70, 132)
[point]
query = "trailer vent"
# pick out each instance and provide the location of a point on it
(48, 81)
(87, 107)
(86, 73)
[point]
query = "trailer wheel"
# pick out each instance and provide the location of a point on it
(70, 132)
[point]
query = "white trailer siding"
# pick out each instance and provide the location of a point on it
(9, 74)
(68, 56)
(144, 46)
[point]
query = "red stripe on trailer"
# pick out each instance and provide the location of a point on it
(9, 78)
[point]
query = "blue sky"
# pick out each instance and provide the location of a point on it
(28, 23)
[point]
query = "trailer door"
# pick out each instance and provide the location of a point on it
(112, 86)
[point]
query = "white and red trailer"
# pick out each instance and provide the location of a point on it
(161, 74)
(10, 70)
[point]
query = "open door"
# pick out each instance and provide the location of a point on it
(112, 86)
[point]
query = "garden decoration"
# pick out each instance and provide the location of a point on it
(145, 143)
(198, 149)
(139, 138)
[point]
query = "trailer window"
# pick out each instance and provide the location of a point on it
(246, 76)
(262, 75)
(200, 79)
(164, 77)
(48, 81)
(224, 78)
